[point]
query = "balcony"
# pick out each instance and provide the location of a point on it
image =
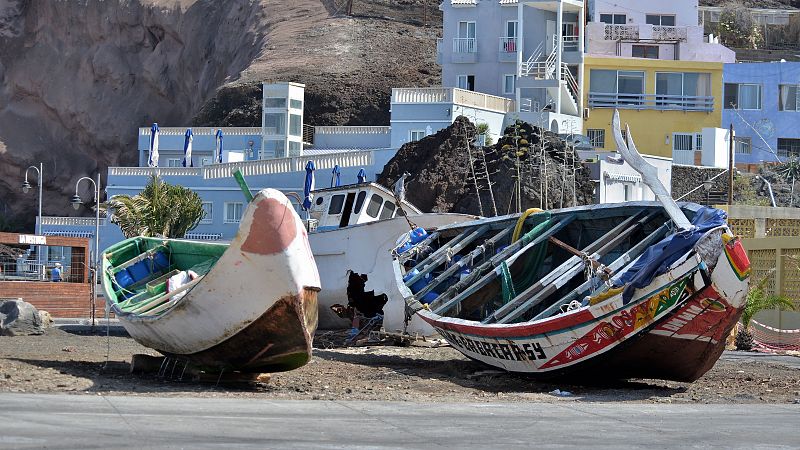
(571, 43)
(652, 102)
(465, 50)
(452, 95)
(199, 131)
(653, 33)
(507, 52)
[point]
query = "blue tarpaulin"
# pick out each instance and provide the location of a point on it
(656, 259)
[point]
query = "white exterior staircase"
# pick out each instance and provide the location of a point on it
(546, 70)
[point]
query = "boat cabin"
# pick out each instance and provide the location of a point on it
(354, 204)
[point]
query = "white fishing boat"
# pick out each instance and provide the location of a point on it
(353, 229)
(250, 305)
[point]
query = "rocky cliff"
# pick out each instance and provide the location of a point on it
(78, 77)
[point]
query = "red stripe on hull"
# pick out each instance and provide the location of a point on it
(515, 330)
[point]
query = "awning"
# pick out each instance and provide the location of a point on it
(77, 234)
(621, 177)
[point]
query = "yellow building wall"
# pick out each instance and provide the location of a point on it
(652, 129)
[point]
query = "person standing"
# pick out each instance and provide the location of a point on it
(55, 274)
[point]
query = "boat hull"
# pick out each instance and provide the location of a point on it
(674, 328)
(366, 249)
(276, 341)
(256, 308)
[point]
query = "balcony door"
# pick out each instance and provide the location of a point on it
(466, 37)
(510, 39)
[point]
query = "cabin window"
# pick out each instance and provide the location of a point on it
(388, 210)
(337, 201)
(274, 124)
(320, 199)
(359, 202)
(233, 212)
(295, 125)
(374, 206)
(274, 102)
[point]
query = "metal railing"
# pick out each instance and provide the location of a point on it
(508, 45)
(465, 45)
(652, 101)
(571, 43)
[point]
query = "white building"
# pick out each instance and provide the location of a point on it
(653, 29)
(531, 51)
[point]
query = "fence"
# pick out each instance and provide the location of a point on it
(772, 239)
(28, 262)
(253, 168)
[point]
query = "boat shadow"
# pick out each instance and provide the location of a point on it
(489, 380)
(116, 377)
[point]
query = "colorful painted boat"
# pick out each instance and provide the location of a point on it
(252, 305)
(641, 289)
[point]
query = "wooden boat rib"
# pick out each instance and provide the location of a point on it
(641, 289)
(252, 306)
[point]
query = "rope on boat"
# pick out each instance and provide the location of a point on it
(508, 285)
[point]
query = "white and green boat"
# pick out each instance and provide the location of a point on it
(250, 305)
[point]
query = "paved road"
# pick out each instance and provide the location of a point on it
(84, 421)
(783, 360)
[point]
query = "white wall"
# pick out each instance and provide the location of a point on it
(685, 11)
(612, 190)
(715, 148)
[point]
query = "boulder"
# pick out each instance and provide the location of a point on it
(20, 318)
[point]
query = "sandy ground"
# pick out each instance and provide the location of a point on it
(61, 361)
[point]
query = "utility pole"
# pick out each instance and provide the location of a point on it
(731, 169)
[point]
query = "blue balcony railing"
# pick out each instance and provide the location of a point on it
(652, 101)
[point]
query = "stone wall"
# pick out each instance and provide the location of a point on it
(686, 178)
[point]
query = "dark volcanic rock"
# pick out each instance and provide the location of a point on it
(19, 318)
(441, 179)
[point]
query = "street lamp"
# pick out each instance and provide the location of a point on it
(25, 188)
(707, 185)
(76, 203)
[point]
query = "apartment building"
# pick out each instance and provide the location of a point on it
(529, 51)
(650, 60)
(762, 102)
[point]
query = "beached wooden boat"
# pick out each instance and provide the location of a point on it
(641, 289)
(251, 305)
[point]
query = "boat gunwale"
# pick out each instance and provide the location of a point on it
(135, 317)
(500, 330)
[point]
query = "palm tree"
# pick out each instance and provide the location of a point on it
(161, 209)
(758, 300)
